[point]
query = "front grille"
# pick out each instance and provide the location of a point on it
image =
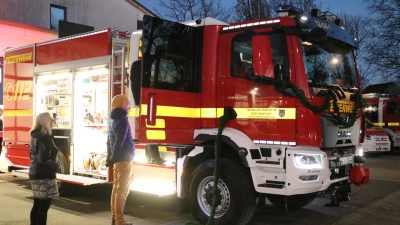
(381, 139)
(339, 170)
(336, 152)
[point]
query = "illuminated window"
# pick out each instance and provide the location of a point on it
(57, 13)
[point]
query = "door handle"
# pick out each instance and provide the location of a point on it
(151, 110)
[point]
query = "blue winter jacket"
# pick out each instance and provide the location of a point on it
(120, 146)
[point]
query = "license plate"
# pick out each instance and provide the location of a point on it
(345, 160)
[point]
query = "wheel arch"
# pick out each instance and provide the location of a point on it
(228, 145)
(229, 150)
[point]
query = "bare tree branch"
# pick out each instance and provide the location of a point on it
(259, 9)
(384, 46)
(183, 10)
(360, 28)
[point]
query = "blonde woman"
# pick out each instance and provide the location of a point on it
(43, 153)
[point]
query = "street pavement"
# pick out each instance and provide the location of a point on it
(384, 210)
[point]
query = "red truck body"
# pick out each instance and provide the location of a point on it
(294, 125)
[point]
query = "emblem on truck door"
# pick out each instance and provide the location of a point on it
(281, 112)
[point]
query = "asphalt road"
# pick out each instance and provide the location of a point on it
(373, 203)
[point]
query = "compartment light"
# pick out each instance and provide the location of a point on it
(54, 75)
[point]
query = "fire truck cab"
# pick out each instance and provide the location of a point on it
(289, 86)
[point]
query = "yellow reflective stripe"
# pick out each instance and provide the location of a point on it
(162, 148)
(208, 112)
(18, 112)
(211, 112)
(143, 110)
(134, 112)
(389, 124)
(243, 113)
(173, 111)
(169, 111)
(160, 123)
(155, 135)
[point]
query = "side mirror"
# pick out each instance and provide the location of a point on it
(262, 56)
(136, 80)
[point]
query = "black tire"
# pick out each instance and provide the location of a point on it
(392, 148)
(237, 200)
(64, 189)
(293, 201)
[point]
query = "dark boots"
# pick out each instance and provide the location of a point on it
(337, 197)
(153, 155)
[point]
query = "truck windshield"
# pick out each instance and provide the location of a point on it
(330, 62)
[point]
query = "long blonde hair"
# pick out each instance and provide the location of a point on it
(43, 120)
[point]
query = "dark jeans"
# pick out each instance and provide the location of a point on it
(39, 211)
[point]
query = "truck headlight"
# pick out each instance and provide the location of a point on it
(308, 161)
(368, 137)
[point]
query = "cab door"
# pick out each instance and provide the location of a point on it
(247, 61)
(169, 101)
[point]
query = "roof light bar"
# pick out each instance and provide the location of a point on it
(252, 24)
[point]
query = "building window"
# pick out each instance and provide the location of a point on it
(140, 25)
(57, 13)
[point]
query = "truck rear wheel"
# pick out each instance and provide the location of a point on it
(63, 188)
(236, 199)
(293, 201)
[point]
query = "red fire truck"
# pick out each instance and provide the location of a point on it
(376, 141)
(289, 83)
(384, 112)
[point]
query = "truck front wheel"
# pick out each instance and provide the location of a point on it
(293, 201)
(235, 199)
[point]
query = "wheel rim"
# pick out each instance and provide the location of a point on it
(205, 196)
